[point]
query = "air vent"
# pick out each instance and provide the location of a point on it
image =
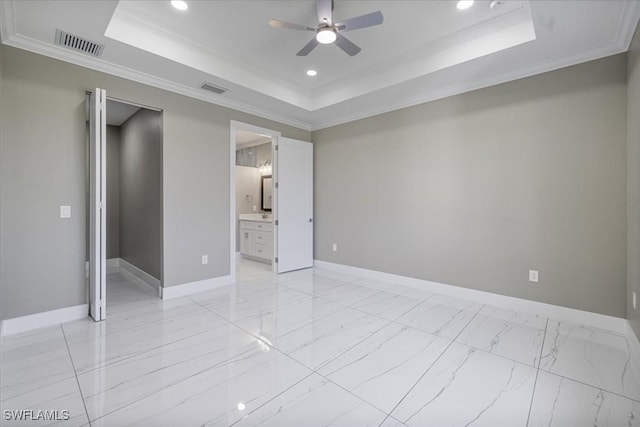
(213, 88)
(79, 44)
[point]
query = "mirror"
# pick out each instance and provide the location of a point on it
(265, 192)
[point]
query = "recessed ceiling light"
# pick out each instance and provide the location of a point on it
(179, 4)
(241, 406)
(464, 4)
(312, 73)
(326, 36)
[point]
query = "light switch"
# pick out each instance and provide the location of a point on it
(65, 211)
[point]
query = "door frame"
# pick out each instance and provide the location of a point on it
(275, 136)
(91, 193)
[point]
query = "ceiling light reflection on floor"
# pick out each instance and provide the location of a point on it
(464, 4)
(179, 4)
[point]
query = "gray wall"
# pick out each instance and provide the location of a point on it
(141, 191)
(633, 182)
(42, 166)
(475, 190)
(113, 192)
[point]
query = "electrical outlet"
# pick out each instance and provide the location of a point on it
(335, 247)
(205, 259)
(65, 211)
(533, 276)
(633, 299)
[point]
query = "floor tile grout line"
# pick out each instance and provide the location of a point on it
(306, 324)
(315, 370)
(544, 339)
(203, 370)
(146, 396)
(311, 321)
(381, 317)
(429, 368)
(142, 352)
(137, 328)
(312, 372)
(284, 306)
(535, 382)
(495, 354)
(575, 379)
(499, 355)
(84, 404)
(591, 385)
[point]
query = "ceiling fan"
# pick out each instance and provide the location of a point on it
(328, 32)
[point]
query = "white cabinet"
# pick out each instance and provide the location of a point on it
(256, 239)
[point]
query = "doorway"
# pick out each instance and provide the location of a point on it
(124, 244)
(254, 225)
(285, 187)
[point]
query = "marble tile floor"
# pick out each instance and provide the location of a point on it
(317, 348)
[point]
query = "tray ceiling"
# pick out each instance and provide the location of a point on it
(424, 50)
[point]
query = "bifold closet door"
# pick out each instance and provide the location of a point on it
(97, 215)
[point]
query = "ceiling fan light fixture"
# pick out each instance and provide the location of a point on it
(464, 4)
(179, 4)
(326, 36)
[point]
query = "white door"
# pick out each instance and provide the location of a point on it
(97, 220)
(294, 214)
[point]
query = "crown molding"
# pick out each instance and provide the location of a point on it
(457, 89)
(40, 48)
(11, 38)
(628, 22)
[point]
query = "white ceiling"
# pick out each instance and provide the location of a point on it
(424, 50)
(245, 139)
(119, 112)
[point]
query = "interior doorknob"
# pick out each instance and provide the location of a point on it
(310, 219)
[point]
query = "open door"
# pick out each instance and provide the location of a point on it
(294, 188)
(97, 220)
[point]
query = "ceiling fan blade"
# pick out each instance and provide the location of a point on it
(347, 45)
(368, 20)
(308, 47)
(324, 10)
(276, 23)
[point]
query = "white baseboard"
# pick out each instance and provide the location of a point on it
(176, 291)
(571, 315)
(140, 274)
(113, 264)
(44, 319)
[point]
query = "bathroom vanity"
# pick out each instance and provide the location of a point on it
(256, 237)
